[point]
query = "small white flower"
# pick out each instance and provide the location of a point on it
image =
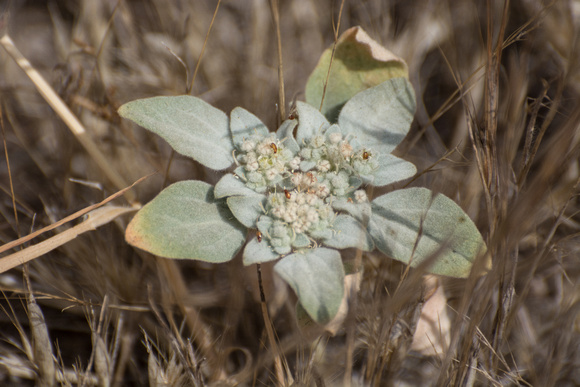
(317, 141)
(306, 153)
(249, 157)
(298, 226)
(296, 179)
(300, 198)
(252, 166)
(323, 166)
(308, 179)
(361, 196)
(294, 163)
(271, 174)
(322, 191)
(303, 210)
(279, 211)
(312, 215)
(248, 145)
(290, 217)
(335, 138)
(345, 149)
(264, 148)
(292, 209)
(311, 199)
(339, 181)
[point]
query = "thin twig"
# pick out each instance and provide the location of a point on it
(270, 331)
(190, 88)
(332, 54)
(74, 216)
(12, 194)
(281, 95)
(67, 116)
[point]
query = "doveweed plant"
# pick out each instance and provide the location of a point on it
(301, 193)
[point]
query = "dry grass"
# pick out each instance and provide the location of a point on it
(509, 112)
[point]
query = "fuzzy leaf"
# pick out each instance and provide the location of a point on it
(190, 125)
(310, 122)
(229, 185)
(186, 221)
(301, 241)
(380, 117)
(402, 216)
(244, 124)
(360, 211)
(354, 182)
(358, 64)
(325, 233)
(247, 209)
(286, 134)
(317, 277)
(391, 170)
(240, 172)
(258, 252)
(349, 233)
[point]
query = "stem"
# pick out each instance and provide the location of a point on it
(281, 97)
(270, 331)
(190, 88)
(332, 54)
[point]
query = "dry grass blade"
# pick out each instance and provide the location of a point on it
(69, 218)
(95, 219)
(197, 66)
(281, 93)
(42, 346)
(102, 361)
(336, 32)
(67, 116)
(496, 129)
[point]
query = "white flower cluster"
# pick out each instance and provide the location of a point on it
(326, 167)
(302, 212)
(265, 161)
(330, 164)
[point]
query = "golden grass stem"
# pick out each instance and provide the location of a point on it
(69, 218)
(282, 381)
(336, 31)
(281, 95)
(71, 121)
(217, 7)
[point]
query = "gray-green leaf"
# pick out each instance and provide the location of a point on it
(258, 252)
(310, 122)
(190, 125)
(317, 277)
(401, 217)
(380, 117)
(286, 135)
(186, 221)
(244, 124)
(229, 185)
(358, 63)
(360, 211)
(348, 232)
(391, 170)
(247, 209)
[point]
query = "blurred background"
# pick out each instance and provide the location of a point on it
(496, 129)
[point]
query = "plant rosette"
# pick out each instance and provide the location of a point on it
(302, 191)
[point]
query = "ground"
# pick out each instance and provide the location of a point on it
(496, 129)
